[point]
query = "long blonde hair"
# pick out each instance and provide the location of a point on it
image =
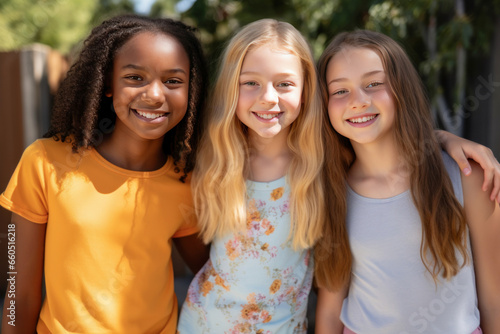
(218, 182)
(442, 216)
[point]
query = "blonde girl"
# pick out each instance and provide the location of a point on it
(424, 240)
(258, 187)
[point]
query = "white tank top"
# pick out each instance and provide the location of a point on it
(391, 291)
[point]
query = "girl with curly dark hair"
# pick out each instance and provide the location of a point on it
(97, 202)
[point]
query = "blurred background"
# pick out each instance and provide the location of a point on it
(455, 45)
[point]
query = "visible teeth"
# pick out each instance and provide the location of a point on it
(266, 116)
(149, 115)
(362, 119)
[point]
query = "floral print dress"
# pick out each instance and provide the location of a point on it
(254, 282)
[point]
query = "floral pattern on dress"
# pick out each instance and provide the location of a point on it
(277, 193)
(254, 282)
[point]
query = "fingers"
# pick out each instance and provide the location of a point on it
(462, 149)
(465, 167)
(495, 191)
(484, 157)
(488, 179)
(460, 158)
(491, 173)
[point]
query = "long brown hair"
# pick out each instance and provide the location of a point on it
(442, 216)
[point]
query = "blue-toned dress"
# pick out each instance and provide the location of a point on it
(254, 282)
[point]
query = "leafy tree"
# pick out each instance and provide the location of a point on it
(162, 8)
(448, 40)
(61, 24)
(444, 38)
(108, 8)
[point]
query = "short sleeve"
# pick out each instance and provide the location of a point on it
(189, 225)
(25, 194)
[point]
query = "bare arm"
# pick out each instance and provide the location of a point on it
(193, 251)
(26, 293)
(328, 310)
(462, 149)
(483, 218)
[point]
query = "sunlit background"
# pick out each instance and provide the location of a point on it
(454, 44)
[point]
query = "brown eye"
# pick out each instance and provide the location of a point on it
(134, 77)
(375, 84)
(340, 92)
(173, 81)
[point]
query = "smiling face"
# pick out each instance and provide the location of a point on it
(149, 86)
(271, 82)
(360, 105)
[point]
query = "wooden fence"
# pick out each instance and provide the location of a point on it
(28, 79)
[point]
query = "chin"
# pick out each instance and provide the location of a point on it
(268, 135)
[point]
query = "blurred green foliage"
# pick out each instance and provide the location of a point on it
(443, 39)
(446, 39)
(61, 24)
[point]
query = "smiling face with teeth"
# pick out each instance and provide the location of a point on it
(270, 94)
(361, 106)
(149, 86)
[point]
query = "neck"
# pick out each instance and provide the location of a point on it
(379, 170)
(133, 154)
(269, 157)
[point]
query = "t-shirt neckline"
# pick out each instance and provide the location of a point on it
(132, 173)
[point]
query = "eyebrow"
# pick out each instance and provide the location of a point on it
(141, 68)
(367, 74)
(283, 74)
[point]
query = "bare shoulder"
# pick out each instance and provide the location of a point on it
(483, 218)
(482, 213)
(475, 198)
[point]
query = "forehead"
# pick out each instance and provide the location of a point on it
(271, 58)
(152, 47)
(352, 61)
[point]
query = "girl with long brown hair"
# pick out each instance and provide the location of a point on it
(422, 237)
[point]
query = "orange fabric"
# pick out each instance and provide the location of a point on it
(108, 265)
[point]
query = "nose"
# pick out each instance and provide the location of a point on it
(269, 95)
(154, 93)
(359, 100)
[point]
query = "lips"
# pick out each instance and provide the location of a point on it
(363, 119)
(150, 115)
(267, 116)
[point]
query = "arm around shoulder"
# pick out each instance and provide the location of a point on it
(461, 149)
(483, 217)
(26, 243)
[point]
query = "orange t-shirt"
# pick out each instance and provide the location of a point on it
(108, 266)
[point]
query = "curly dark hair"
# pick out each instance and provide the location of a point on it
(82, 112)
